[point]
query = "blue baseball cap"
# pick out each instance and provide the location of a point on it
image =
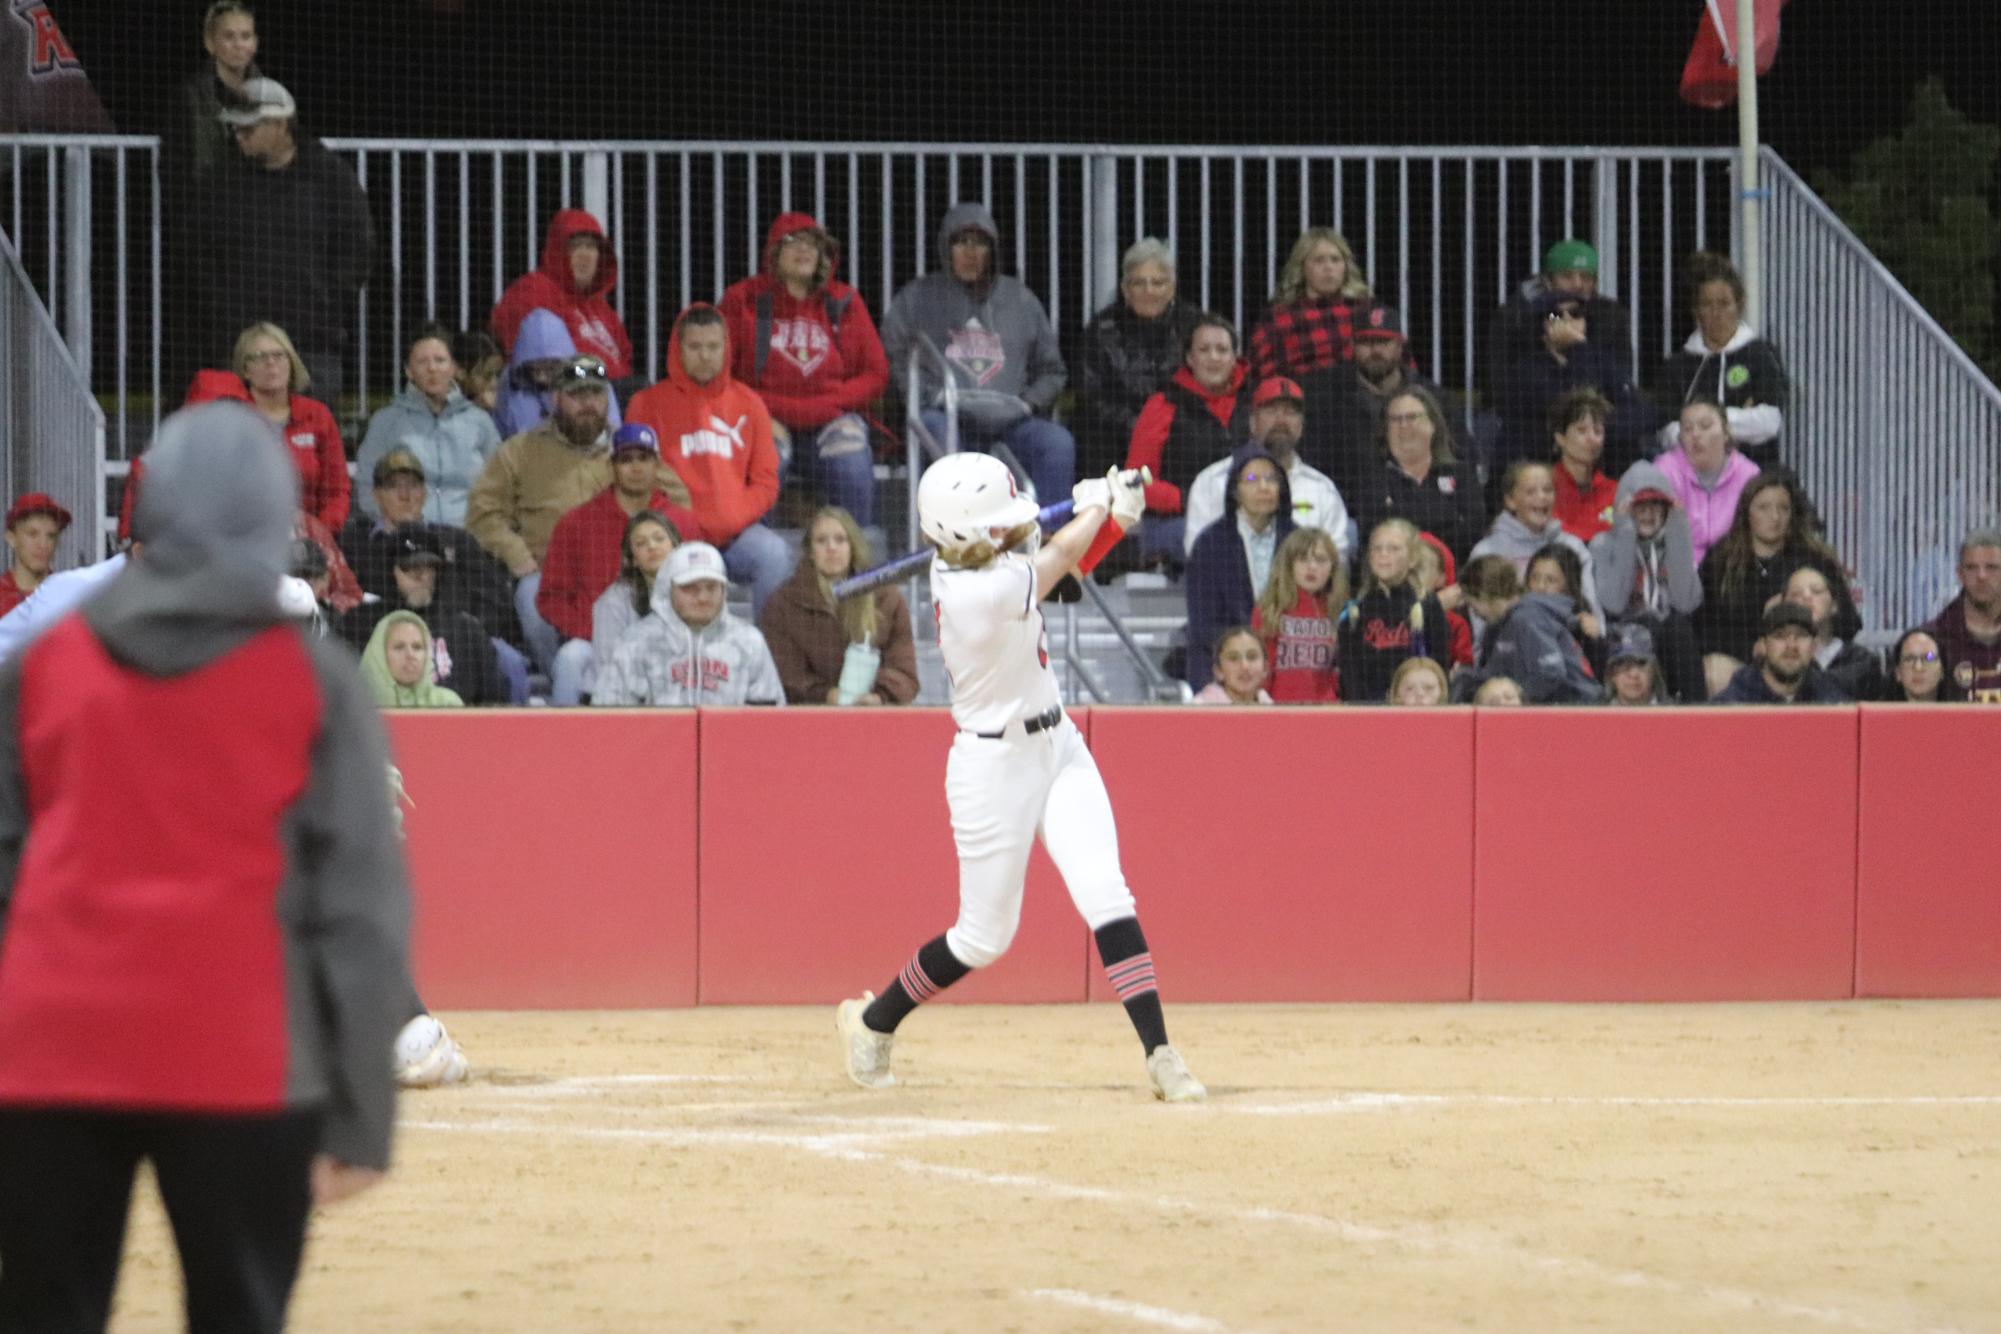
(632, 435)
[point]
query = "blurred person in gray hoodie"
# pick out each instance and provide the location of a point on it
(689, 650)
(996, 338)
(204, 912)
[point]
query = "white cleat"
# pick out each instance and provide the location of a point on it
(865, 1051)
(1171, 1080)
(428, 1057)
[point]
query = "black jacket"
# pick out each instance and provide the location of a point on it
(1447, 503)
(1535, 379)
(471, 577)
(1729, 623)
(1121, 361)
(290, 246)
(1375, 635)
(1514, 326)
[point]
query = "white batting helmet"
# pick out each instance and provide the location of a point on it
(962, 496)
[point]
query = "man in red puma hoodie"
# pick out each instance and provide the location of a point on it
(805, 342)
(577, 269)
(716, 436)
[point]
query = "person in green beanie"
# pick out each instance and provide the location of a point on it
(1569, 266)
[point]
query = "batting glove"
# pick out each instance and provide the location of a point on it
(1128, 495)
(1091, 492)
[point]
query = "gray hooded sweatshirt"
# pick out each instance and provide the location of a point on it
(994, 334)
(1649, 577)
(216, 521)
(663, 663)
(1514, 539)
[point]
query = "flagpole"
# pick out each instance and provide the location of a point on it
(1751, 261)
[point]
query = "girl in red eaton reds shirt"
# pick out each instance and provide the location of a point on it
(1295, 618)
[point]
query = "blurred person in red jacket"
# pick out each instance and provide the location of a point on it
(716, 435)
(804, 340)
(34, 522)
(578, 268)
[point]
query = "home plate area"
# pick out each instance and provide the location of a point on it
(1749, 1167)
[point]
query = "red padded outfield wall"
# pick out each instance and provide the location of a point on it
(619, 859)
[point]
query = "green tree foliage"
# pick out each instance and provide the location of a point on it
(1920, 201)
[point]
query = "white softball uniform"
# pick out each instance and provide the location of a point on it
(1005, 790)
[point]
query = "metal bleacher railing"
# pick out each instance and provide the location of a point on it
(1886, 409)
(52, 425)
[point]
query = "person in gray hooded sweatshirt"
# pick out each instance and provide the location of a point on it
(204, 912)
(1645, 569)
(1002, 350)
(689, 650)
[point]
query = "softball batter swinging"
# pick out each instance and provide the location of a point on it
(1018, 766)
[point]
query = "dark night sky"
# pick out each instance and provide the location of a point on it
(1341, 71)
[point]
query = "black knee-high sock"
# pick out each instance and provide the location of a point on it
(1122, 947)
(933, 968)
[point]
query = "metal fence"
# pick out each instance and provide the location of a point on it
(1445, 233)
(53, 428)
(1895, 431)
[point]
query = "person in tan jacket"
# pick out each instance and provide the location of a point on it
(810, 636)
(537, 477)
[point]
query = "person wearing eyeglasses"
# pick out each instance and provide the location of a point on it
(1232, 560)
(276, 378)
(1418, 475)
(1129, 351)
(1917, 672)
(536, 477)
(1345, 404)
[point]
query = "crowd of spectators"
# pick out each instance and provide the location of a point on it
(539, 516)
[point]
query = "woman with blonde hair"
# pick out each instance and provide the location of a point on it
(1295, 618)
(275, 377)
(1311, 323)
(858, 651)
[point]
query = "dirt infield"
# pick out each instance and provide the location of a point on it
(1741, 1167)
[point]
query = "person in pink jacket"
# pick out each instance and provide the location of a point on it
(578, 267)
(1707, 472)
(804, 340)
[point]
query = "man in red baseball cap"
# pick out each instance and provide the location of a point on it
(34, 522)
(1277, 422)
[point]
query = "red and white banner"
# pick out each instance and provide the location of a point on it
(42, 83)
(1710, 77)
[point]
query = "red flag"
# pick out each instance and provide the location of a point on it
(1710, 77)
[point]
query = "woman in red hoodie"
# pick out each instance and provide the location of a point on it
(577, 269)
(1295, 618)
(1200, 417)
(716, 436)
(806, 343)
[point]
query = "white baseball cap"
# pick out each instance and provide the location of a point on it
(693, 562)
(260, 100)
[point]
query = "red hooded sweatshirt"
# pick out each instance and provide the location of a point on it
(716, 437)
(594, 325)
(820, 354)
